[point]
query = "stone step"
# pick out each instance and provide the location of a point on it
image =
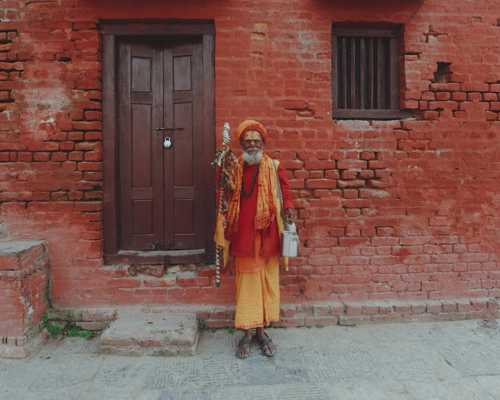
(24, 282)
(154, 332)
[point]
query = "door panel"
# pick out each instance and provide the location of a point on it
(142, 172)
(182, 72)
(184, 236)
(140, 99)
(183, 166)
(141, 74)
(186, 113)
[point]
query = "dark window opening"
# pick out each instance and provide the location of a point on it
(366, 71)
(443, 73)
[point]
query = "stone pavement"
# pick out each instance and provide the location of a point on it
(427, 361)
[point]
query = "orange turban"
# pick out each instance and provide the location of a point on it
(251, 125)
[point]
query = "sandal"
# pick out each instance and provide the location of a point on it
(243, 350)
(267, 346)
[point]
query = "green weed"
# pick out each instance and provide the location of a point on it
(65, 328)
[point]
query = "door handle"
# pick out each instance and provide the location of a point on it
(158, 130)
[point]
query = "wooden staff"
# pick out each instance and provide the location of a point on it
(220, 161)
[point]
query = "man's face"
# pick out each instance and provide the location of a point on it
(252, 142)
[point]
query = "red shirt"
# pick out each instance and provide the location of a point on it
(242, 241)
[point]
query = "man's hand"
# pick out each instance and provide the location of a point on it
(290, 215)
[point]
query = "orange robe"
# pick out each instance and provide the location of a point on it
(242, 242)
(257, 260)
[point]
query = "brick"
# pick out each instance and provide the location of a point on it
(58, 156)
(418, 308)
(351, 164)
(350, 193)
(321, 183)
(443, 105)
(354, 260)
(431, 115)
(434, 308)
(25, 157)
(87, 125)
(75, 156)
(93, 115)
(332, 174)
(75, 136)
(449, 87)
(495, 105)
(90, 166)
(443, 96)
(355, 183)
(93, 136)
(41, 156)
(353, 309)
(474, 97)
(459, 96)
(367, 155)
(427, 95)
(490, 96)
(475, 87)
(319, 164)
(349, 174)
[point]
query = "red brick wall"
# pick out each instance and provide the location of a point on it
(402, 209)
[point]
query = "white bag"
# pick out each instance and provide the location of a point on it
(289, 237)
(290, 241)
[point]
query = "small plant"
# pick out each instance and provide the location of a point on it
(76, 331)
(65, 328)
(54, 328)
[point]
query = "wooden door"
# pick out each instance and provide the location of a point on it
(162, 196)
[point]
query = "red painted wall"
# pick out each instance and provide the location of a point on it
(401, 209)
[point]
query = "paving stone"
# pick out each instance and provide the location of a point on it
(463, 389)
(490, 384)
(369, 389)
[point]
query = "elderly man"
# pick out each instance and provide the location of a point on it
(257, 207)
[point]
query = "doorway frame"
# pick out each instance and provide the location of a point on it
(112, 31)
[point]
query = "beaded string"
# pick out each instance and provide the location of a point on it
(252, 184)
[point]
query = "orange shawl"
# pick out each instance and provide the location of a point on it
(268, 203)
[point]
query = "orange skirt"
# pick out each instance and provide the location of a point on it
(257, 290)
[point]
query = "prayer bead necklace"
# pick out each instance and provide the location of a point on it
(252, 184)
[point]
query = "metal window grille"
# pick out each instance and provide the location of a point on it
(366, 69)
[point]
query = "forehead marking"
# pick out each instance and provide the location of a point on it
(252, 135)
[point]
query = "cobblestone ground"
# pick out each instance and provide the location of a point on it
(442, 360)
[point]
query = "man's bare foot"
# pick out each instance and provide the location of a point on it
(243, 350)
(267, 346)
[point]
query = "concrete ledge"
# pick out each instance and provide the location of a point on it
(355, 313)
(22, 346)
(327, 313)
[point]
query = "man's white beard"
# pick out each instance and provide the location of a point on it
(252, 158)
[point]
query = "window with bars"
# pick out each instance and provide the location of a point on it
(366, 71)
